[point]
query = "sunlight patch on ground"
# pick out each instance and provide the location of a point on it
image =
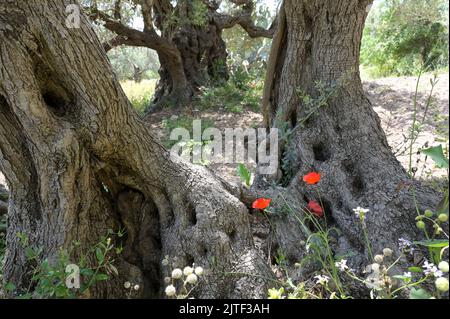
(140, 94)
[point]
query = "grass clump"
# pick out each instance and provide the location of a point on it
(139, 94)
(243, 90)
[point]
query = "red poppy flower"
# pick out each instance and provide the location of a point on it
(315, 208)
(312, 178)
(261, 203)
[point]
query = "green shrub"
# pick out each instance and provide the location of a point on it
(243, 90)
(48, 278)
(401, 36)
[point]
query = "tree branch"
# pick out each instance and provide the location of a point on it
(244, 19)
(126, 35)
(117, 10)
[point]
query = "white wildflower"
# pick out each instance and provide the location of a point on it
(387, 252)
(127, 285)
(361, 213)
(187, 271)
(430, 268)
(375, 267)
(407, 275)
(192, 279)
(136, 287)
(405, 244)
(171, 291)
(378, 259)
(177, 273)
(342, 265)
(321, 280)
(373, 282)
(374, 279)
(199, 271)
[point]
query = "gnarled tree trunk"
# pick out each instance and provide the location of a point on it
(189, 41)
(202, 49)
(319, 42)
(79, 161)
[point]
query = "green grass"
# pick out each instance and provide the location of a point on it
(139, 94)
(242, 91)
(233, 96)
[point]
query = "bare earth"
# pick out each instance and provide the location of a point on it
(392, 99)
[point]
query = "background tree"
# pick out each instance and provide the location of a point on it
(402, 36)
(125, 61)
(187, 35)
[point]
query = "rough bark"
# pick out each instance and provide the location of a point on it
(79, 161)
(319, 41)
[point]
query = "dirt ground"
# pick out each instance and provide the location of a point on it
(392, 99)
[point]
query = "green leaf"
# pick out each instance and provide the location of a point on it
(101, 277)
(415, 269)
(30, 253)
(99, 255)
(61, 291)
(10, 287)
(244, 174)
(86, 272)
(419, 294)
(437, 155)
(406, 279)
(25, 296)
(437, 243)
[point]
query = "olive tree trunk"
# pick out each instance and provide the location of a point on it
(187, 35)
(79, 161)
(315, 57)
(202, 50)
